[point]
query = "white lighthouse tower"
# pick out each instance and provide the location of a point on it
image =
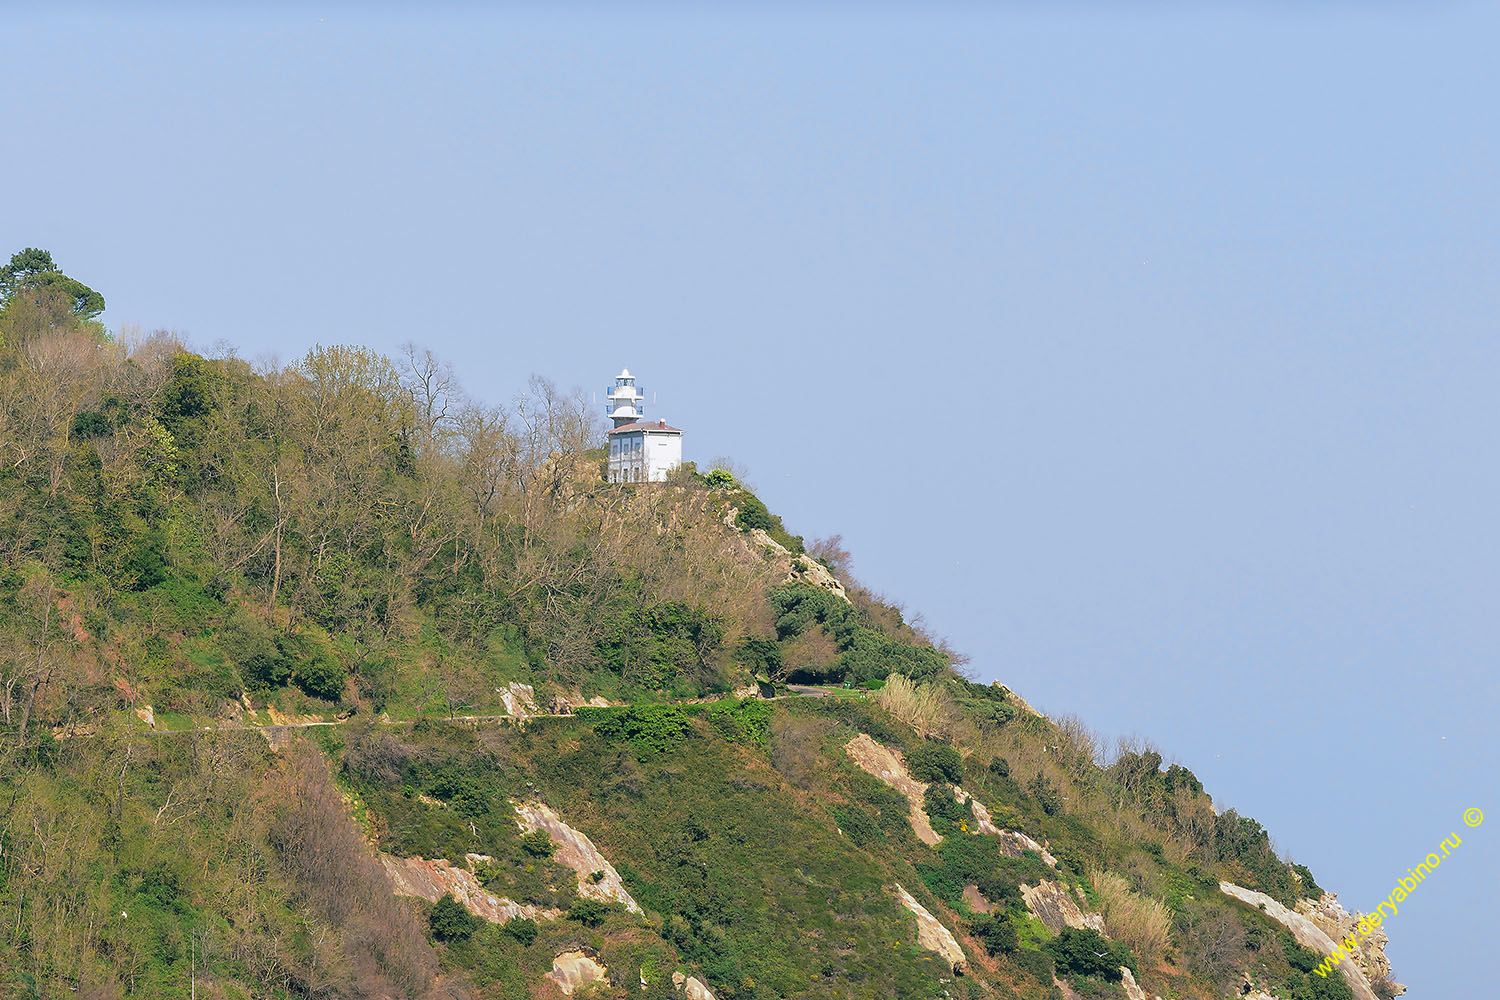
(624, 403)
(640, 451)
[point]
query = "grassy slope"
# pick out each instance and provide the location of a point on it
(730, 843)
(138, 512)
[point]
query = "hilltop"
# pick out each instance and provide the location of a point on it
(328, 680)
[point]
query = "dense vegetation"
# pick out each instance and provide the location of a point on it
(195, 550)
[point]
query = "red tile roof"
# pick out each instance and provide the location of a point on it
(646, 425)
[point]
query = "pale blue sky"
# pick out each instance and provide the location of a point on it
(1149, 350)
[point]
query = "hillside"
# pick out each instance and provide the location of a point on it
(327, 680)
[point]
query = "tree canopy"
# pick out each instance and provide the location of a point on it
(32, 269)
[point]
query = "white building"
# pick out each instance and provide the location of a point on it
(640, 451)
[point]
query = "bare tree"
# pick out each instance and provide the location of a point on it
(27, 670)
(435, 395)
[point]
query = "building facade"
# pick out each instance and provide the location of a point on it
(640, 451)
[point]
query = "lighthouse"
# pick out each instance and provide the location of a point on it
(640, 450)
(624, 402)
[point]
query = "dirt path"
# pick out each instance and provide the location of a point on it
(276, 730)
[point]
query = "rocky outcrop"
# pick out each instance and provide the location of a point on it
(293, 719)
(1132, 988)
(1054, 906)
(931, 934)
(578, 852)
(519, 700)
(1016, 843)
(1013, 843)
(574, 969)
(1338, 923)
(976, 900)
(981, 814)
(567, 704)
(889, 767)
(691, 987)
(798, 568)
(434, 879)
(804, 568)
(1307, 933)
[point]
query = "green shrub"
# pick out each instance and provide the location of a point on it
(450, 921)
(1088, 953)
(1036, 964)
(1000, 767)
(858, 825)
(463, 792)
(650, 729)
(523, 929)
(979, 860)
(746, 721)
(1330, 987)
(942, 804)
(990, 712)
(865, 653)
(1033, 933)
(589, 912)
(538, 844)
(934, 761)
(210, 672)
(760, 656)
(1240, 838)
(1300, 958)
(250, 643)
(657, 644)
(313, 667)
(754, 514)
(997, 932)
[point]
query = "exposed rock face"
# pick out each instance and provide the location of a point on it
(888, 766)
(1016, 842)
(691, 987)
(148, 716)
(578, 852)
(975, 900)
(1307, 933)
(279, 718)
(519, 700)
(1328, 913)
(573, 969)
(432, 880)
(931, 934)
(1050, 903)
(1132, 988)
(798, 569)
(804, 568)
(567, 704)
(1013, 843)
(981, 814)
